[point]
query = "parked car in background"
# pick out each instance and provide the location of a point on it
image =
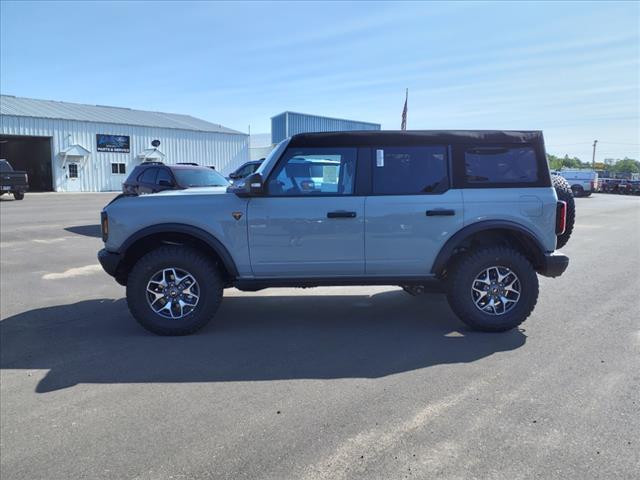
(583, 182)
(152, 177)
(11, 181)
(245, 170)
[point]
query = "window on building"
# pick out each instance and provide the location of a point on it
(500, 165)
(315, 171)
(73, 170)
(148, 176)
(119, 168)
(410, 170)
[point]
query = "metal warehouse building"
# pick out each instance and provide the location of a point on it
(287, 124)
(74, 147)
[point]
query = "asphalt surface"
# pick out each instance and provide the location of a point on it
(327, 383)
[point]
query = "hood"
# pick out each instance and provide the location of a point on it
(190, 191)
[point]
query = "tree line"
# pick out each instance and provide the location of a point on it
(614, 165)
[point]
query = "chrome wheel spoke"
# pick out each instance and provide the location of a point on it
(495, 290)
(173, 293)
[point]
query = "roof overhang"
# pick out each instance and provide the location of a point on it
(75, 150)
(149, 154)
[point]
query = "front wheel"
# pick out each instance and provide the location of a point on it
(18, 195)
(492, 289)
(174, 290)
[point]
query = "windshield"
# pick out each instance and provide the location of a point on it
(273, 156)
(199, 177)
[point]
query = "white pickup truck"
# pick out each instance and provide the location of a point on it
(583, 182)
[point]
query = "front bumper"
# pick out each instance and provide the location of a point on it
(553, 264)
(109, 261)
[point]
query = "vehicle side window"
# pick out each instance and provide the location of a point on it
(247, 170)
(148, 176)
(410, 170)
(486, 165)
(314, 171)
(163, 174)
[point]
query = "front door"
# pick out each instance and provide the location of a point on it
(310, 223)
(411, 211)
(73, 183)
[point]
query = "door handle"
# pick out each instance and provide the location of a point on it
(441, 212)
(341, 214)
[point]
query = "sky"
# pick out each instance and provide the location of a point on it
(570, 69)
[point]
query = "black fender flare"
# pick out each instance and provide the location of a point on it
(462, 235)
(202, 235)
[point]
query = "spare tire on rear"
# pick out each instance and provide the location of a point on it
(563, 190)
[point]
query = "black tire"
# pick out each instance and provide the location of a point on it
(463, 276)
(200, 266)
(18, 195)
(577, 190)
(564, 193)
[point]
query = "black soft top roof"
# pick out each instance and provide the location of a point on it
(415, 137)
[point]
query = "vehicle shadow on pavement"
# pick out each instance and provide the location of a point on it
(86, 230)
(254, 337)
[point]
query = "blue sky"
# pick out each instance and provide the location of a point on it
(570, 69)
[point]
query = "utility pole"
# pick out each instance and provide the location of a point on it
(593, 159)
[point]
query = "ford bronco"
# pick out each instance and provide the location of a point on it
(473, 214)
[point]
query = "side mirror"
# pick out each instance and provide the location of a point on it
(254, 183)
(165, 184)
(252, 186)
(234, 176)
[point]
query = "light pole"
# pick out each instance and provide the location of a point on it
(593, 159)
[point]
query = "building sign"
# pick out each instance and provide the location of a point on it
(112, 143)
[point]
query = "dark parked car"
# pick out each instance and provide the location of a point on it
(245, 170)
(152, 177)
(12, 181)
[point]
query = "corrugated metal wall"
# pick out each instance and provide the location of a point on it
(225, 151)
(290, 123)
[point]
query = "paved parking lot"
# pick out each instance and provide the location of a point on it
(327, 383)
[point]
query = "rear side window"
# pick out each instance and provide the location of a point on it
(164, 176)
(410, 170)
(148, 176)
(500, 165)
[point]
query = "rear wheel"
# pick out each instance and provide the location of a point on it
(18, 195)
(174, 290)
(564, 193)
(492, 289)
(577, 190)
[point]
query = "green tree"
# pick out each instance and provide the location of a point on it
(571, 162)
(627, 165)
(554, 162)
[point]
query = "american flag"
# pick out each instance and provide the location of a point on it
(403, 126)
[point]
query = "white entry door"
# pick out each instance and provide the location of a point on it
(74, 171)
(118, 176)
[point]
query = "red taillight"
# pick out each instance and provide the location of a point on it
(561, 217)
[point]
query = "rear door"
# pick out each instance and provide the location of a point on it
(310, 223)
(411, 211)
(507, 182)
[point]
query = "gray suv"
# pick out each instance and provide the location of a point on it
(473, 214)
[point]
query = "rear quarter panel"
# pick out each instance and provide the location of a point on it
(533, 208)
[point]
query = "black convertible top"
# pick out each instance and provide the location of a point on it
(416, 137)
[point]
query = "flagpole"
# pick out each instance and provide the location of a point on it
(403, 124)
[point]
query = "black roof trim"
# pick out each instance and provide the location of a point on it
(414, 137)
